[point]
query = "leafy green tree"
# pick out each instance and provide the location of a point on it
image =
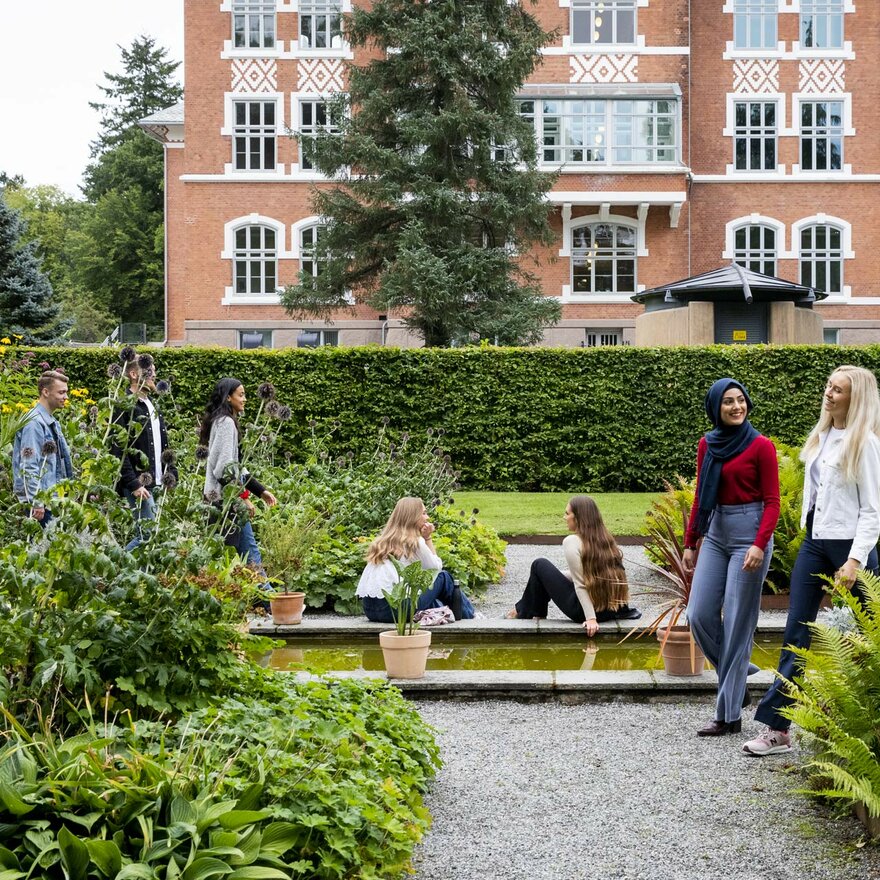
(438, 197)
(27, 306)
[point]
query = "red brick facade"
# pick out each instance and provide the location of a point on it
(791, 83)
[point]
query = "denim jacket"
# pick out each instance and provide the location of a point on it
(32, 470)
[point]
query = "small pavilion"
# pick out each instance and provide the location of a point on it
(731, 305)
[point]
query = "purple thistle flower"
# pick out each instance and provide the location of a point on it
(284, 413)
(213, 496)
(313, 423)
(169, 481)
(27, 452)
(114, 371)
(386, 421)
(145, 361)
(163, 386)
(169, 456)
(273, 407)
(145, 480)
(127, 354)
(50, 447)
(201, 453)
(43, 365)
(266, 391)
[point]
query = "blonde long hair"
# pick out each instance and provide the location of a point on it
(862, 419)
(601, 559)
(401, 534)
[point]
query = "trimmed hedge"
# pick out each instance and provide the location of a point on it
(602, 419)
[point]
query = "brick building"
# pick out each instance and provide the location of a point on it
(688, 134)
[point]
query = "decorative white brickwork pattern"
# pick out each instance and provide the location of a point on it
(755, 76)
(822, 76)
(320, 75)
(604, 68)
(254, 75)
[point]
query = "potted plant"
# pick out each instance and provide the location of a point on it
(671, 587)
(288, 539)
(405, 648)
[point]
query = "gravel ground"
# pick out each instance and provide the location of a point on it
(621, 791)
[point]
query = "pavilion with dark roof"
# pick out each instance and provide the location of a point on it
(731, 305)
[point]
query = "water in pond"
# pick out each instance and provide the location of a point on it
(603, 653)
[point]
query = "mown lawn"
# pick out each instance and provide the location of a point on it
(540, 513)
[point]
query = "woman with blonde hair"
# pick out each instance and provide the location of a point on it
(594, 589)
(841, 512)
(406, 538)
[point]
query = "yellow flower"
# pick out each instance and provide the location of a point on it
(17, 336)
(6, 409)
(6, 340)
(21, 405)
(89, 402)
(2, 349)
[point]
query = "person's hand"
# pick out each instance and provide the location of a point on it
(847, 572)
(427, 530)
(687, 559)
(591, 626)
(38, 513)
(249, 505)
(754, 559)
(142, 493)
(269, 498)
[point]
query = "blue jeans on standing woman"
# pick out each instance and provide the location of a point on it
(725, 601)
(815, 559)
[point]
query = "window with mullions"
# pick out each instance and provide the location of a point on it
(597, 132)
(603, 22)
(755, 248)
(256, 260)
(317, 338)
(822, 24)
(311, 260)
(603, 258)
(821, 258)
(253, 24)
(254, 136)
(755, 136)
(249, 339)
(596, 338)
(320, 24)
(821, 136)
(755, 24)
(313, 118)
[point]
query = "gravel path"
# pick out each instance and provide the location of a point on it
(620, 791)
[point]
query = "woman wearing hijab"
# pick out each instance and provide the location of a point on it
(734, 513)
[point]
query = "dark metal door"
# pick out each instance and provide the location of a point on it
(741, 323)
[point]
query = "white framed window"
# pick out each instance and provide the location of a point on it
(314, 117)
(821, 135)
(253, 24)
(755, 248)
(310, 258)
(255, 261)
(317, 338)
(821, 257)
(603, 258)
(755, 24)
(320, 24)
(604, 132)
(595, 338)
(254, 135)
(831, 336)
(250, 339)
(603, 22)
(755, 135)
(821, 25)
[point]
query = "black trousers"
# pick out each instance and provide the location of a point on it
(546, 582)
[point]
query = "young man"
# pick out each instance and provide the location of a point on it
(141, 450)
(40, 454)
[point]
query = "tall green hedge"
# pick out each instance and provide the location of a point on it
(597, 419)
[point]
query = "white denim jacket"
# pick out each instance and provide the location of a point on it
(845, 510)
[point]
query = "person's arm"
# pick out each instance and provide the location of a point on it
(768, 478)
(31, 465)
(690, 536)
(222, 449)
(427, 555)
(868, 523)
(571, 548)
(127, 474)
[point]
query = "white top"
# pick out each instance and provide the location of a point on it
(378, 578)
(571, 547)
(833, 436)
(157, 440)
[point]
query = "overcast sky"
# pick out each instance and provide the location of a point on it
(54, 55)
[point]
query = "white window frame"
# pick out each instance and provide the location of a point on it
(814, 134)
(782, 130)
(320, 13)
(262, 132)
(750, 12)
(599, 337)
(747, 255)
(824, 12)
(306, 251)
(248, 10)
(614, 255)
(782, 252)
(845, 250)
(257, 348)
(228, 253)
(595, 10)
(305, 131)
(761, 133)
(322, 337)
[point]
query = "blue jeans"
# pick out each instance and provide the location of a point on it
(725, 601)
(247, 546)
(814, 559)
(144, 510)
(439, 593)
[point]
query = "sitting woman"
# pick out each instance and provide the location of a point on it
(407, 538)
(594, 589)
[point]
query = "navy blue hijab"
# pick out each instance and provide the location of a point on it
(723, 442)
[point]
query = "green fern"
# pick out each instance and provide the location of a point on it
(837, 703)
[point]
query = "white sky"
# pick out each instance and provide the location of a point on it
(54, 54)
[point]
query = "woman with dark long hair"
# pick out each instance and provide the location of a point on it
(594, 589)
(220, 433)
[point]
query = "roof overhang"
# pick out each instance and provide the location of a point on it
(621, 91)
(165, 126)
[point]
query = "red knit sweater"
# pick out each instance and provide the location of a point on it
(751, 476)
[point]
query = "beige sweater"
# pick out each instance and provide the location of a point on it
(571, 547)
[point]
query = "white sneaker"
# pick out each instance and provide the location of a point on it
(770, 742)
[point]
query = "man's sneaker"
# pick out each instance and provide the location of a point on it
(770, 742)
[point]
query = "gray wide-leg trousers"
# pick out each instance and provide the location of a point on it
(725, 601)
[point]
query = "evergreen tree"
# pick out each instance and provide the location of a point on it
(438, 197)
(27, 306)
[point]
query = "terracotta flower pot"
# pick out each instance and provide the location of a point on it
(681, 654)
(405, 656)
(287, 608)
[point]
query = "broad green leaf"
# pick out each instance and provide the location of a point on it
(278, 837)
(8, 859)
(136, 871)
(106, 856)
(11, 802)
(74, 855)
(12, 875)
(182, 811)
(255, 872)
(250, 848)
(250, 797)
(211, 814)
(204, 867)
(239, 818)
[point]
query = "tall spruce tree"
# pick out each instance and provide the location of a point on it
(438, 197)
(27, 306)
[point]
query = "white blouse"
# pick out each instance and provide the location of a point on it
(378, 578)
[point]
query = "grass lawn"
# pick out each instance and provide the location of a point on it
(540, 513)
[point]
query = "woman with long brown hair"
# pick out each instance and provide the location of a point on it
(594, 589)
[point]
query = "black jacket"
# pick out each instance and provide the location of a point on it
(138, 455)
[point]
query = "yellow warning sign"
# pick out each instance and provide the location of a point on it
(740, 335)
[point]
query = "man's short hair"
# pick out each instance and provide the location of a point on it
(45, 381)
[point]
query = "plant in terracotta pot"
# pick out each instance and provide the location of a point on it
(288, 538)
(405, 648)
